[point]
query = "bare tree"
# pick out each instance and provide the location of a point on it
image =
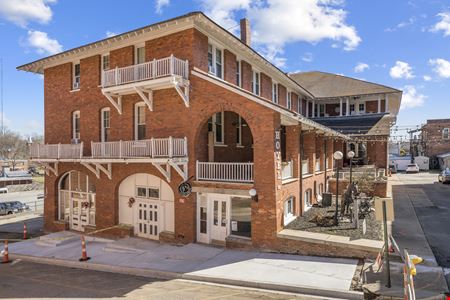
(12, 147)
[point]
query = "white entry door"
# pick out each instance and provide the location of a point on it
(220, 218)
(147, 218)
(79, 215)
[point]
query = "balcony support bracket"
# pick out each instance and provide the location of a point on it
(98, 168)
(181, 168)
(48, 168)
(147, 99)
(182, 87)
(116, 103)
(165, 172)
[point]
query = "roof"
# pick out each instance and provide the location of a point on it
(328, 85)
(351, 124)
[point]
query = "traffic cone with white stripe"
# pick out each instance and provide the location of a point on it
(84, 256)
(5, 259)
(25, 231)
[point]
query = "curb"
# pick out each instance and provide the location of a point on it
(322, 292)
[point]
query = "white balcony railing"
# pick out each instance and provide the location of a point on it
(154, 148)
(305, 167)
(149, 70)
(287, 170)
(56, 151)
(225, 171)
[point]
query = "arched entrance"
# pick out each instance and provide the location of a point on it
(146, 202)
(76, 202)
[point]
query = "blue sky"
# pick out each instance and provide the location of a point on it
(403, 44)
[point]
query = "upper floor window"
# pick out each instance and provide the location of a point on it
(215, 61)
(76, 125)
(362, 107)
(320, 110)
(105, 124)
(238, 73)
(139, 55)
(139, 121)
(275, 92)
(216, 125)
(256, 83)
(289, 100)
(76, 76)
(352, 109)
(445, 133)
(105, 62)
(299, 105)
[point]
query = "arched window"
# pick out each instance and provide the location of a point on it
(76, 125)
(289, 212)
(105, 117)
(139, 121)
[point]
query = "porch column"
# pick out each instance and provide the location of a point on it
(379, 103)
(386, 109)
(307, 108)
(347, 107)
(340, 107)
(314, 108)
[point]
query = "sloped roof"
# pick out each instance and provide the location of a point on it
(328, 85)
(351, 124)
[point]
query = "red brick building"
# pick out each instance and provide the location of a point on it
(130, 118)
(435, 142)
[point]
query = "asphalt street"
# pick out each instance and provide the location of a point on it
(28, 197)
(22, 279)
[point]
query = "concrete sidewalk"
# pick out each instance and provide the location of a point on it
(328, 277)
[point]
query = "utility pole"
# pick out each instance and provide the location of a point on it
(411, 142)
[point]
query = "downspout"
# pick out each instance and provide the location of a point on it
(325, 141)
(300, 182)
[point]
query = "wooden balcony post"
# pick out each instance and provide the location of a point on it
(170, 146)
(81, 150)
(185, 147)
(120, 149)
(116, 76)
(59, 149)
(186, 65)
(92, 148)
(196, 170)
(171, 64)
(154, 68)
(152, 143)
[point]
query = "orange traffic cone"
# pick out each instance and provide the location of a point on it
(5, 259)
(391, 249)
(24, 231)
(84, 256)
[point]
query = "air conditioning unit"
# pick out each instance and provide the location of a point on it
(75, 141)
(212, 70)
(76, 85)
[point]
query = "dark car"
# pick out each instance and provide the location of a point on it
(444, 176)
(18, 205)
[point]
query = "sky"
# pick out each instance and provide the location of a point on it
(404, 44)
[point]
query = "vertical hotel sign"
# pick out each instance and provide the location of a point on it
(278, 153)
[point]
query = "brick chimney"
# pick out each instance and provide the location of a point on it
(245, 31)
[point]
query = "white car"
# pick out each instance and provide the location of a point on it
(412, 168)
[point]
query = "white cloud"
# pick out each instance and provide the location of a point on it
(272, 27)
(427, 77)
(21, 12)
(308, 57)
(361, 67)
(441, 67)
(403, 24)
(443, 24)
(401, 70)
(411, 97)
(110, 34)
(160, 4)
(42, 43)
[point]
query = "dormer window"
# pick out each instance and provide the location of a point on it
(256, 83)
(76, 76)
(215, 61)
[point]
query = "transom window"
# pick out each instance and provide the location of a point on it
(215, 61)
(105, 124)
(139, 121)
(147, 192)
(76, 76)
(76, 125)
(275, 92)
(446, 133)
(256, 83)
(105, 62)
(139, 56)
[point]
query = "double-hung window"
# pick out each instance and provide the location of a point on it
(445, 133)
(105, 124)
(139, 55)
(289, 100)
(238, 73)
(256, 83)
(352, 109)
(299, 105)
(239, 132)
(215, 61)
(289, 214)
(76, 76)
(215, 124)
(275, 93)
(105, 62)
(139, 121)
(362, 108)
(76, 125)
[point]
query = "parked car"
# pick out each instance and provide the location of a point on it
(444, 176)
(19, 206)
(7, 209)
(3, 190)
(412, 168)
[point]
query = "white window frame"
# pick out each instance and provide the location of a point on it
(364, 106)
(136, 52)
(299, 105)
(445, 133)
(256, 84)
(76, 80)
(288, 210)
(308, 199)
(239, 73)
(102, 125)
(137, 106)
(214, 128)
(213, 68)
(239, 131)
(289, 99)
(104, 56)
(76, 115)
(275, 92)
